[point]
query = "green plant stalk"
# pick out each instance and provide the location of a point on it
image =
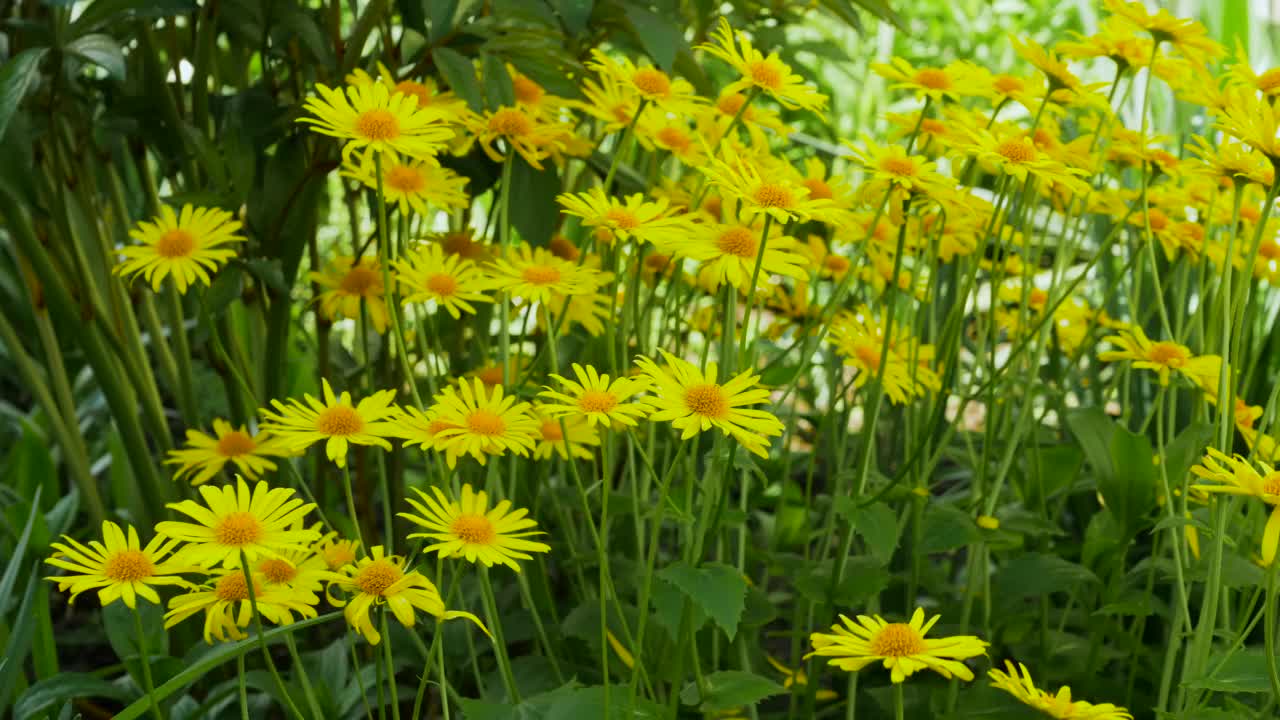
(388, 659)
(426, 673)
(144, 656)
(307, 690)
(164, 357)
(351, 504)
(182, 351)
(242, 691)
(1269, 631)
(899, 702)
(747, 350)
(444, 685)
(499, 638)
(646, 585)
(262, 641)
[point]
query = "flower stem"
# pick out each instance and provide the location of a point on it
(499, 638)
(243, 692)
(262, 640)
(312, 704)
(391, 668)
(899, 703)
(745, 351)
(144, 656)
(1269, 632)
(426, 673)
(351, 505)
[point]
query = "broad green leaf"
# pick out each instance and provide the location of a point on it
(719, 590)
(103, 11)
(1092, 428)
(1185, 450)
(660, 36)
(1057, 470)
(1244, 671)
(534, 211)
(101, 50)
(589, 702)
(16, 77)
(460, 74)
(946, 528)
(574, 14)
(19, 642)
(15, 561)
(1035, 574)
(498, 91)
(414, 14)
(877, 525)
(440, 15)
(1130, 489)
(65, 687)
(729, 689)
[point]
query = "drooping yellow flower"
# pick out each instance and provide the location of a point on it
(205, 455)
(379, 579)
(1163, 357)
(379, 118)
(902, 647)
(351, 284)
(1113, 41)
(596, 398)
(1017, 682)
(729, 252)
(673, 135)
(227, 607)
(956, 80)
(186, 246)
(479, 422)
(407, 183)
(859, 337)
(797, 678)
(674, 95)
(427, 275)
(694, 401)
(1188, 36)
(588, 311)
(767, 74)
(611, 100)
(118, 567)
(263, 522)
(564, 436)
(1252, 479)
(759, 191)
(333, 419)
(622, 219)
(534, 274)
(471, 529)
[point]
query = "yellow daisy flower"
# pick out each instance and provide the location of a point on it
(610, 100)
(714, 120)
(1018, 683)
(760, 191)
(298, 425)
(891, 170)
(1018, 157)
(902, 647)
(693, 401)
(427, 275)
(205, 455)
(374, 116)
(300, 571)
(671, 94)
(497, 536)
(1241, 477)
(408, 183)
(1114, 42)
(534, 274)
(1046, 61)
(859, 338)
(185, 246)
(520, 130)
(956, 80)
(563, 436)
(623, 219)
(596, 398)
(588, 311)
(1252, 120)
(765, 73)
(797, 678)
(234, 520)
(334, 551)
(1162, 357)
(1188, 36)
(118, 567)
(351, 283)
(380, 579)
(673, 135)
(227, 608)
(728, 253)
(426, 91)
(479, 423)
(1232, 161)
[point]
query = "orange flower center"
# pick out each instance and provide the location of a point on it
(933, 79)
(1157, 219)
(868, 356)
(277, 570)
(551, 431)
(339, 554)
(442, 284)
(897, 640)
(237, 528)
(359, 281)
(1271, 484)
(484, 422)
(510, 122)
(706, 400)
(773, 195)
(527, 91)
(819, 189)
(235, 444)
(929, 126)
(1043, 139)
(1007, 84)
(597, 401)
(1018, 151)
(622, 218)
(406, 179)
(415, 89)
(176, 243)
(658, 261)
(730, 104)
(1168, 354)
(339, 420)
(652, 81)
(900, 166)
(737, 241)
(765, 74)
(461, 244)
(563, 248)
(541, 275)
(490, 376)
(128, 566)
(474, 529)
(232, 587)
(1269, 249)
(1038, 297)
(835, 264)
(438, 426)
(674, 138)
(377, 125)
(1269, 81)
(377, 576)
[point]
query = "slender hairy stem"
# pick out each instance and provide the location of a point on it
(144, 657)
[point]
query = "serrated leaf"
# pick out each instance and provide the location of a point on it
(946, 528)
(101, 50)
(719, 590)
(460, 74)
(16, 77)
(729, 689)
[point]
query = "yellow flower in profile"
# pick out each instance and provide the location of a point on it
(1232, 161)
(186, 246)
(376, 117)
(417, 427)
(759, 190)
(1112, 41)
(729, 252)
(564, 436)
(694, 401)
(1163, 357)
(1188, 36)
(1241, 477)
(334, 420)
(118, 567)
(351, 284)
(1017, 682)
(408, 183)
(381, 579)
(797, 678)
(623, 219)
(335, 551)
(958, 79)
(534, 274)
(611, 100)
(234, 520)
(227, 607)
(471, 529)
(205, 455)
(427, 275)
(1252, 120)
(589, 311)
(481, 423)
(671, 94)
(859, 338)
(902, 647)
(764, 73)
(1017, 156)
(892, 170)
(1057, 72)
(596, 398)
(520, 130)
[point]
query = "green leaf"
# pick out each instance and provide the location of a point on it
(15, 561)
(101, 50)
(1130, 489)
(460, 74)
(103, 11)
(574, 14)
(660, 36)
(65, 687)
(19, 643)
(1035, 574)
(589, 702)
(729, 689)
(1186, 450)
(946, 528)
(16, 77)
(533, 200)
(719, 590)
(414, 14)
(498, 91)
(440, 14)
(1092, 428)
(878, 526)
(1243, 671)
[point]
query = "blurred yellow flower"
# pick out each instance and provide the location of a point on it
(227, 607)
(1017, 682)
(427, 275)
(349, 285)
(407, 183)
(763, 73)
(596, 398)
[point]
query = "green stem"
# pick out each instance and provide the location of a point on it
(262, 640)
(426, 673)
(1269, 632)
(899, 702)
(351, 505)
(307, 689)
(391, 668)
(243, 691)
(745, 351)
(499, 638)
(144, 658)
